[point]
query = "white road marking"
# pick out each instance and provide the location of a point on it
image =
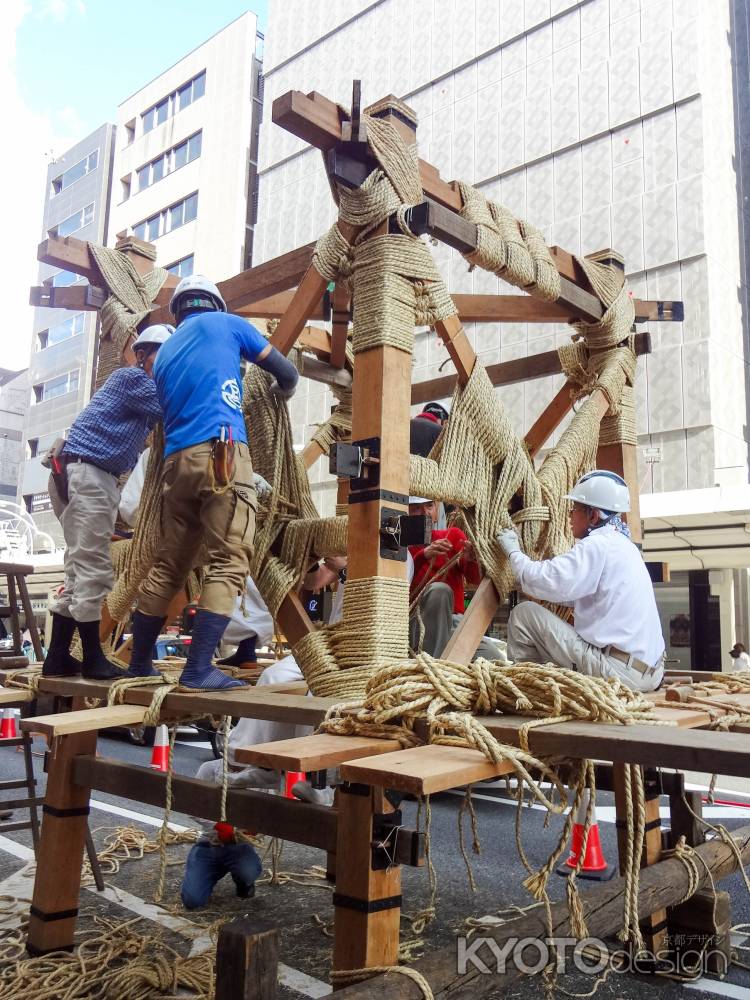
(131, 814)
(17, 850)
(720, 989)
(606, 814)
(194, 743)
(302, 983)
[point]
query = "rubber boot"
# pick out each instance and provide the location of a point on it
(96, 666)
(146, 630)
(58, 662)
(243, 655)
(205, 637)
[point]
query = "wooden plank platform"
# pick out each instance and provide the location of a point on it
(312, 753)
(86, 721)
(424, 770)
(654, 746)
(245, 703)
(14, 696)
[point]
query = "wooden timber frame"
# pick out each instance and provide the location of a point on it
(368, 893)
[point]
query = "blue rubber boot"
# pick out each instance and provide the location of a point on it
(146, 630)
(198, 672)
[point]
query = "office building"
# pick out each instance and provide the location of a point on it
(63, 347)
(186, 156)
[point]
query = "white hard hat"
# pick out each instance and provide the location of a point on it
(419, 500)
(199, 287)
(155, 335)
(602, 490)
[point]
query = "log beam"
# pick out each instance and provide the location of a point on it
(664, 884)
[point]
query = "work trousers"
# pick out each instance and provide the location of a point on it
(538, 635)
(88, 520)
(440, 622)
(207, 864)
(198, 517)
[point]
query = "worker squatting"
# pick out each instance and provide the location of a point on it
(189, 378)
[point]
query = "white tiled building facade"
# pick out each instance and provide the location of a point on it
(186, 156)
(605, 123)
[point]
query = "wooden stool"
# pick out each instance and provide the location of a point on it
(28, 782)
(15, 574)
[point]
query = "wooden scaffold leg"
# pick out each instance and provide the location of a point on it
(367, 901)
(57, 885)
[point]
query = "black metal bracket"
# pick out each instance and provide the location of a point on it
(393, 845)
(364, 905)
(358, 461)
(397, 530)
(434, 219)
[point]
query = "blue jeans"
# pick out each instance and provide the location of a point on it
(206, 865)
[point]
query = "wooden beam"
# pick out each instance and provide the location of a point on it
(652, 746)
(367, 901)
(269, 278)
(273, 815)
(81, 298)
(247, 702)
(57, 884)
(424, 770)
(312, 753)
(340, 315)
(509, 372)
(247, 960)
(90, 720)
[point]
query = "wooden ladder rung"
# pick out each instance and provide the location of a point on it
(424, 770)
(86, 721)
(312, 753)
(14, 696)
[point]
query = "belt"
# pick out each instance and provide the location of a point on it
(86, 461)
(632, 661)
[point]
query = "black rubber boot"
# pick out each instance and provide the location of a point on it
(146, 630)
(198, 672)
(244, 654)
(58, 662)
(96, 666)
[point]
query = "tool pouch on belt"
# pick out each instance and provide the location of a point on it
(222, 457)
(54, 460)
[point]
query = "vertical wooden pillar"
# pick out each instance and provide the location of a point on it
(367, 902)
(247, 961)
(57, 885)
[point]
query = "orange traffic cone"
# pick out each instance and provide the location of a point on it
(594, 865)
(292, 777)
(8, 727)
(160, 751)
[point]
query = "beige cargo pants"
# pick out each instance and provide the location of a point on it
(198, 521)
(87, 519)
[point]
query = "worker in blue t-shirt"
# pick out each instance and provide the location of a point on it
(209, 499)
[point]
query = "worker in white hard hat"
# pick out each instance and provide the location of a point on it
(209, 499)
(103, 442)
(616, 632)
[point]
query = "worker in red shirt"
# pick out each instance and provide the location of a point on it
(441, 571)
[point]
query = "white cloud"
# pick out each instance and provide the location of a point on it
(59, 10)
(33, 137)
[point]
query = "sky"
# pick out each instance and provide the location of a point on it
(65, 65)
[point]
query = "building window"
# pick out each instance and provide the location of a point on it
(74, 173)
(167, 163)
(62, 279)
(182, 268)
(56, 387)
(71, 327)
(83, 217)
(259, 39)
(129, 131)
(125, 182)
(32, 447)
(168, 219)
(174, 102)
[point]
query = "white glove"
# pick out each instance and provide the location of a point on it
(262, 486)
(508, 541)
(281, 392)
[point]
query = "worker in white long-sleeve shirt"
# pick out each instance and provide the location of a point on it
(616, 631)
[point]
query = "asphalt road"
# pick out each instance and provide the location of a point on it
(294, 907)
